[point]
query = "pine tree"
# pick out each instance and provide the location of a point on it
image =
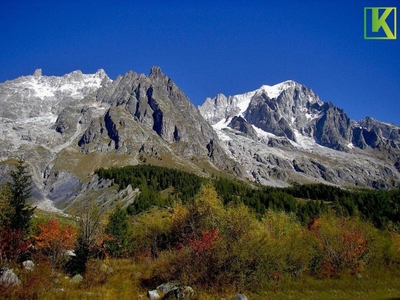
(117, 230)
(77, 264)
(21, 188)
(5, 209)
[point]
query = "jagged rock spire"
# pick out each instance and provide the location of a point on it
(38, 72)
(156, 71)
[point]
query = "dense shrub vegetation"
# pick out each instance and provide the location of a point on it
(217, 235)
(209, 244)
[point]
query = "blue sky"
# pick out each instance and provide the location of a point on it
(210, 47)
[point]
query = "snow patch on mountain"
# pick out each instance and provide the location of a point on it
(275, 90)
(242, 101)
(304, 142)
(221, 107)
(263, 134)
(38, 98)
(222, 124)
(31, 105)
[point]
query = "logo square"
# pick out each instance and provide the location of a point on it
(380, 23)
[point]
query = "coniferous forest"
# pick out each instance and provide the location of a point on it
(380, 207)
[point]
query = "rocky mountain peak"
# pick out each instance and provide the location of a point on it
(149, 110)
(156, 72)
(37, 73)
(74, 75)
(292, 99)
(275, 90)
(101, 73)
(288, 83)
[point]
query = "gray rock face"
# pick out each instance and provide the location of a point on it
(372, 138)
(218, 108)
(66, 121)
(151, 110)
(240, 124)
(166, 287)
(263, 113)
(333, 129)
(378, 133)
(128, 195)
(290, 109)
(388, 131)
(62, 185)
(281, 109)
(358, 138)
(298, 137)
(111, 126)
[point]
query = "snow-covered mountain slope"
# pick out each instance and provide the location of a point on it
(285, 132)
(34, 98)
(32, 104)
(221, 107)
(281, 109)
(66, 127)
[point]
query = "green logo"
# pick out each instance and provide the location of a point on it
(380, 23)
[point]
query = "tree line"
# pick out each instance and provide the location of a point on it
(307, 201)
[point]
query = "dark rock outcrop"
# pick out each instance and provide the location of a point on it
(240, 124)
(263, 112)
(333, 129)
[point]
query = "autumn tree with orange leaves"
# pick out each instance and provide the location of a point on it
(54, 240)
